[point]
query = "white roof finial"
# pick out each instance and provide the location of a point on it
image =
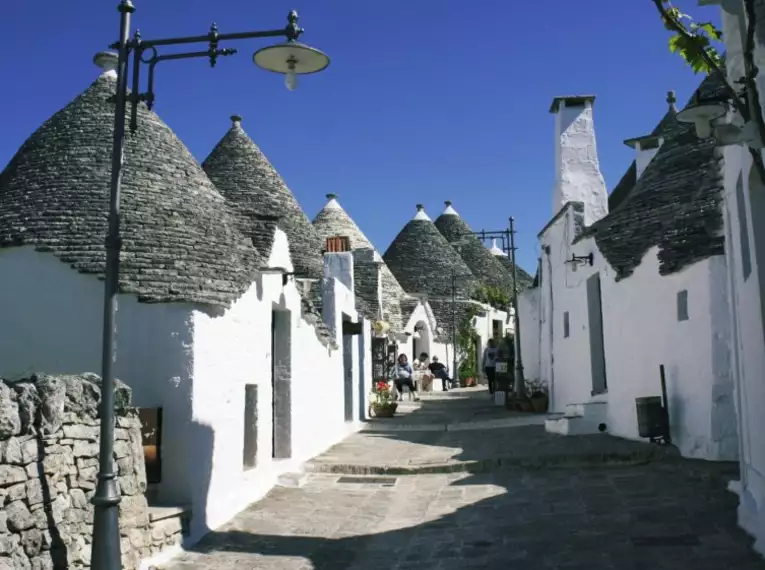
(332, 203)
(421, 215)
(449, 211)
(494, 250)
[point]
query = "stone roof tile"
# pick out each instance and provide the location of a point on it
(244, 176)
(423, 261)
(333, 221)
(180, 238)
(675, 205)
(486, 267)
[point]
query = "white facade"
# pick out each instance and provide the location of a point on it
(195, 363)
(745, 250)
(599, 343)
(642, 328)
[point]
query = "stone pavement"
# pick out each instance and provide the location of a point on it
(664, 514)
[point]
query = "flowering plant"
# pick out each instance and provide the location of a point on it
(382, 394)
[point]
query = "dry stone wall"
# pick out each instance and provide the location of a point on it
(48, 468)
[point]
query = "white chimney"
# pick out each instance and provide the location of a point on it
(647, 147)
(577, 170)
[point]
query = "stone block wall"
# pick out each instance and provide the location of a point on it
(48, 468)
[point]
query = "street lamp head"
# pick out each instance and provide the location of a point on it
(702, 112)
(106, 60)
(291, 59)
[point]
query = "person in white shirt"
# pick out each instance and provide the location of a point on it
(490, 364)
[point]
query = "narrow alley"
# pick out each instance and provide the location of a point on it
(457, 483)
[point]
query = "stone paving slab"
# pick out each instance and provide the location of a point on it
(419, 452)
(651, 517)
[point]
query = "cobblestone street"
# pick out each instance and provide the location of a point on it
(630, 510)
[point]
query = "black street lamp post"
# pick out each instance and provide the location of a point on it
(520, 381)
(290, 58)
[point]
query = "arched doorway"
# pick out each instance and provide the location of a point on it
(421, 340)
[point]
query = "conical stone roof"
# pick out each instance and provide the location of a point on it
(423, 261)
(243, 174)
(486, 267)
(180, 241)
(524, 279)
(334, 221)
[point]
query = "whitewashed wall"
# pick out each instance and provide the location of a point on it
(741, 223)
(192, 362)
(51, 320)
(641, 331)
(529, 315)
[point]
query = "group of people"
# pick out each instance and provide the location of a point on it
(403, 372)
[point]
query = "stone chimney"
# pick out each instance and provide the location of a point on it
(577, 170)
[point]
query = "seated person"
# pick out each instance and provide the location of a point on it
(439, 371)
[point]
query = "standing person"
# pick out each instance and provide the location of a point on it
(403, 376)
(490, 364)
(439, 371)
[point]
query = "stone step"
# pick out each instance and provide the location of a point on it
(574, 425)
(596, 411)
(292, 480)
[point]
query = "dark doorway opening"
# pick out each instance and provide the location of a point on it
(348, 341)
(250, 448)
(281, 383)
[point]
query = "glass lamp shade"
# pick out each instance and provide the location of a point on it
(291, 57)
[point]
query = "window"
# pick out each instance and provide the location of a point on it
(566, 325)
(743, 229)
(682, 305)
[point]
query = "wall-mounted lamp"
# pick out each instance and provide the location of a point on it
(582, 259)
(303, 282)
(706, 114)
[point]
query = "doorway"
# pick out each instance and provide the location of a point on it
(348, 339)
(420, 340)
(281, 383)
(597, 347)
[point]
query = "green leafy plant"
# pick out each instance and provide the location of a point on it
(691, 40)
(494, 296)
(466, 342)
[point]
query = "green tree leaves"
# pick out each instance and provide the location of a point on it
(693, 41)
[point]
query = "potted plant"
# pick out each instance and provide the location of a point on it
(537, 390)
(383, 405)
(467, 373)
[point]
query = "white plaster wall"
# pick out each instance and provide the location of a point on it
(529, 315)
(234, 350)
(194, 363)
(641, 332)
(746, 298)
(51, 321)
(749, 354)
(577, 169)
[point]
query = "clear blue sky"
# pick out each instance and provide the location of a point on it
(425, 100)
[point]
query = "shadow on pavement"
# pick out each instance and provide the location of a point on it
(670, 514)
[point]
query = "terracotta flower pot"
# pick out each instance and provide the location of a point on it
(384, 410)
(539, 404)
